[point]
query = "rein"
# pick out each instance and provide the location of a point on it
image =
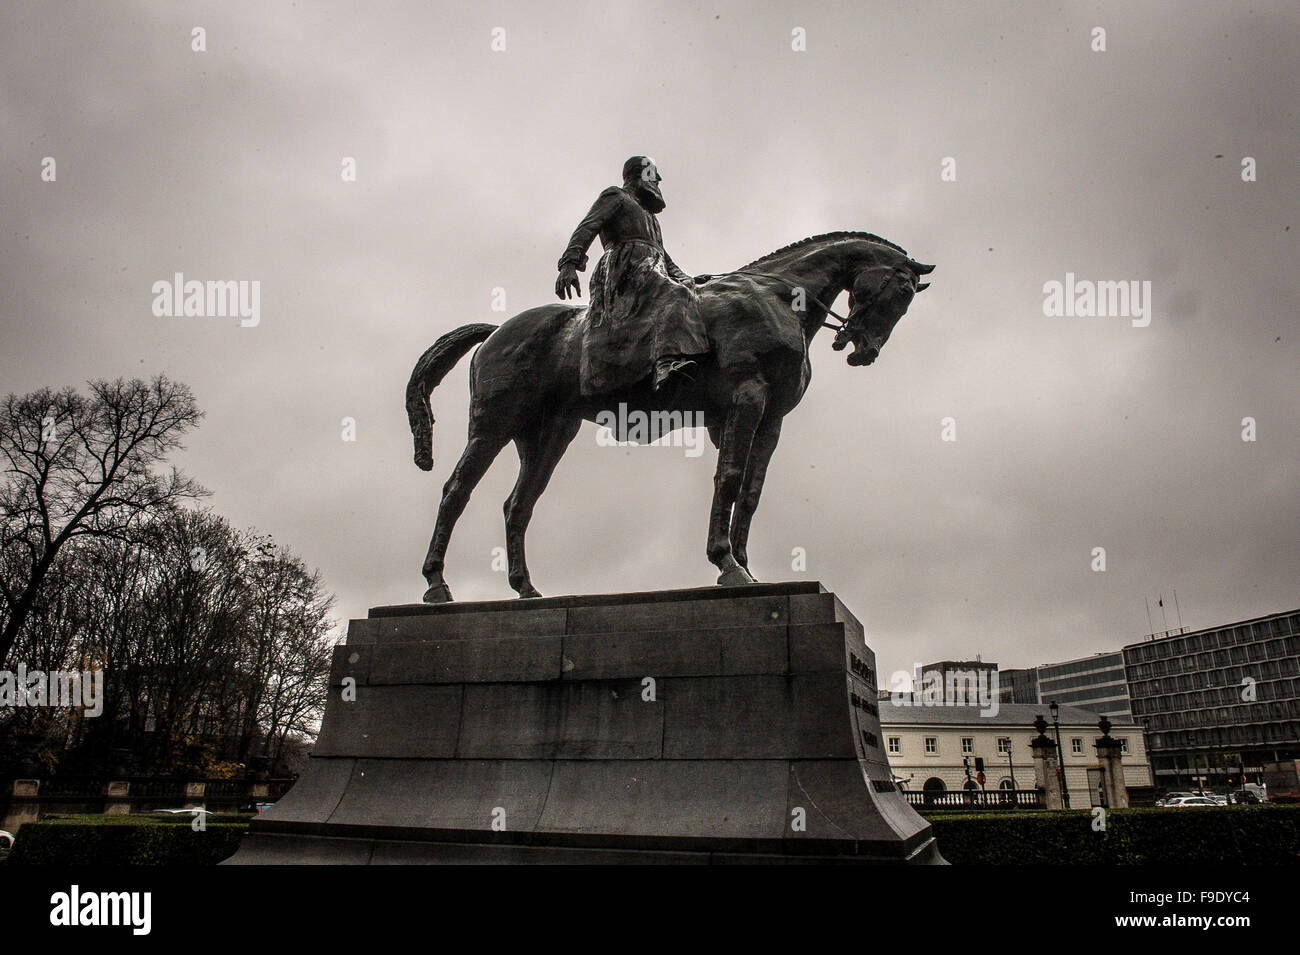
(843, 321)
(826, 308)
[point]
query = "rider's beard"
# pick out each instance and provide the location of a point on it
(648, 194)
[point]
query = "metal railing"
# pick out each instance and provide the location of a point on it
(977, 799)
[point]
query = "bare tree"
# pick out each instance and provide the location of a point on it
(215, 643)
(81, 466)
(294, 646)
(195, 610)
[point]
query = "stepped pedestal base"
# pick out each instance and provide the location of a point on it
(714, 725)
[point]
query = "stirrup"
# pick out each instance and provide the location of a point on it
(670, 367)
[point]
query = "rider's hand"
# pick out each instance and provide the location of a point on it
(566, 286)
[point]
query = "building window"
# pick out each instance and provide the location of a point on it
(931, 745)
(1123, 744)
(1004, 745)
(895, 745)
(968, 744)
(1076, 746)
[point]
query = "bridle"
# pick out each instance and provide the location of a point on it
(843, 326)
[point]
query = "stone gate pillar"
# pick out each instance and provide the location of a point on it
(117, 797)
(194, 795)
(1046, 776)
(1109, 756)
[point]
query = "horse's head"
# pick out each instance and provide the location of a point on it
(878, 298)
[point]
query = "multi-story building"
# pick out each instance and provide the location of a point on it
(1018, 686)
(1219, 701)
(930, 748)
(1095, 683)
(960, 667)
(959, 681)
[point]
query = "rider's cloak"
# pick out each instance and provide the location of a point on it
(643, 307)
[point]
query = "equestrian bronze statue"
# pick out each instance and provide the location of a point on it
(731, 350)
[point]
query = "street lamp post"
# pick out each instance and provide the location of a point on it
(1060, 754)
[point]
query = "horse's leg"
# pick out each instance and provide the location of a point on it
(480, 451)
(760, 453)
(539, 453)
(747, 405)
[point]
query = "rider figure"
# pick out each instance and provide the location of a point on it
(644, 309)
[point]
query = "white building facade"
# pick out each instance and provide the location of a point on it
(930, 747)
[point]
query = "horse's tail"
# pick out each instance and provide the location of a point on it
(429, 371)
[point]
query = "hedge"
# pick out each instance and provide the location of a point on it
(1232, 835)
(127, 840)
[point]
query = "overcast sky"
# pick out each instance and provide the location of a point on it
(474, 165)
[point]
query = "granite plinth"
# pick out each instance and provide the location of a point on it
(716, 725)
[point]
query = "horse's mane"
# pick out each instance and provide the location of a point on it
(808, 240)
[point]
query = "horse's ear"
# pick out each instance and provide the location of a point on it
(918, 268)
(923, 286)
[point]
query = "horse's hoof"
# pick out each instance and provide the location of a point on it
(438, 594)
(736, 577)
(529, 591)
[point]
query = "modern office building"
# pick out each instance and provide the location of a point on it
(1094, 683)
(1018, 686)
(1219, 701)
(960, 681)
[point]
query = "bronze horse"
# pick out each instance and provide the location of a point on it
(761, 319)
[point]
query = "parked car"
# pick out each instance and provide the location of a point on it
(1187, 802)
(1168, 797)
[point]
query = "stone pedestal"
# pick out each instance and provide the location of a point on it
(709, 725)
